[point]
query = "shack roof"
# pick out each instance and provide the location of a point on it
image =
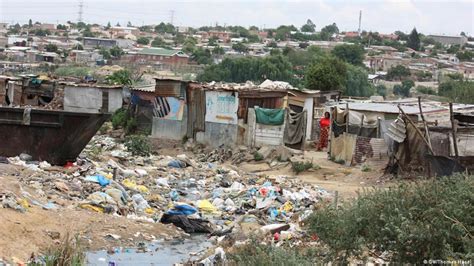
(146, 88)
(266, 86)
(161, 52)
(91, 85)
(392, 108)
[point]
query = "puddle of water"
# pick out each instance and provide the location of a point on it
(159, 253)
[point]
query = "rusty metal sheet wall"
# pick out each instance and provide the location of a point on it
(169, 89)
(196, 102)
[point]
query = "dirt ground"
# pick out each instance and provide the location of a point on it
(37, 229)
(331, 176)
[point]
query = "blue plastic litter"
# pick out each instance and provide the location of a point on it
(176, 164)
(174, 195)
(183, 209)
(102, 180)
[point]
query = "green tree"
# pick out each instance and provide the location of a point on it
(189, 45)
(350, 53)
(381, 90)
(108, 26)
(328, 31)
(105, 53)
(253, 38)
(459, 91)
(52, 48)
(158, 42)
(143, 40)
(240, 47)
(308, 27)
(202, 56)
(78, 47)
(283, 32)
(116, 52)
(414, 40)
(242, 69)
(398, 72)
(465, 55)
(217, 50)
(453, 49)
(129, 24)
(357, 83)
(325, 75)
(404, 88)
(213, 41)
(61, 27)
(30, 23)
(120, 77)
(165, 28)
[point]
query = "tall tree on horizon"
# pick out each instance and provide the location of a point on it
(414, 40)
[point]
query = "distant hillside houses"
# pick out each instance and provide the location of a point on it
(449, 40)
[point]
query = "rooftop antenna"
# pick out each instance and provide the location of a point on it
(360, 21)
(171, 16)
(81, 10)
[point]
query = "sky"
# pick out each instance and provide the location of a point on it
(448, 17)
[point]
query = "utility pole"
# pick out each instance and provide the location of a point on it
(171, 16)
(360, 21)
(81, 10)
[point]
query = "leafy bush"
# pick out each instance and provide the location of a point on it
(68, 252)
(299, 167)
(72, 71)
(120, 77)
(119, 118)
(412, 222)
(365, 168)
(258, 254)
(425, 90)
(138, 145)
(257, 156)
(122, 119)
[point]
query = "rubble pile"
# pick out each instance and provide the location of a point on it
(195, 194)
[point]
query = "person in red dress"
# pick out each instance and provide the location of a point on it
(324, 124)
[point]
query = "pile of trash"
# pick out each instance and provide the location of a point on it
(191, 193)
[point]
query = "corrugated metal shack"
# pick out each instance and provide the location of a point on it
(92, 98)
(30, 90)
(227, 113)
(359, 130)
(432, 150)
(214, 113)
(314, 102)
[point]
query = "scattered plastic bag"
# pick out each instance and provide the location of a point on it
(100, 179)
(130, 184)
(206, 206)
(182, 209)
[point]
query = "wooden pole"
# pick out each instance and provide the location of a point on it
(361, 125)
(416, 128)
(454, 127)
(347, 118)
(425, 125)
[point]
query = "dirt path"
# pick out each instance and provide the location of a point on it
(37, 229)
(331, 176)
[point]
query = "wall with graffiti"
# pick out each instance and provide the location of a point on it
(170, 108)
(221, 107)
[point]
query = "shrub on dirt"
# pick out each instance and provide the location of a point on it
(122, 119)
(257, 156)
(299, 167)
(68, 252)
(138, 145)
(412, 222)
(119, 118)
(255, 253)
